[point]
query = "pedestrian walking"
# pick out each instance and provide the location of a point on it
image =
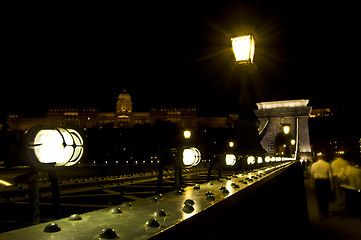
(353, 186)
(322, 180)
(339, 166)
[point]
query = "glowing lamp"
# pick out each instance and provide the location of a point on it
(50, 147)
(243, 49)
(187, 134)
(191, 156)
(286, 129)
(230, 159)
(251, 160)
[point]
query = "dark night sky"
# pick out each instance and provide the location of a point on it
(176, 53)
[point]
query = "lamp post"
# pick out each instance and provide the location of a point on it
(49, 148)
(243, 47)
(227, 159)
(187, 157)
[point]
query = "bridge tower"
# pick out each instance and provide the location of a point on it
(275, 117)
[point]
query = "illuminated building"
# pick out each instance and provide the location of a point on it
(122, 117)
(324, 112)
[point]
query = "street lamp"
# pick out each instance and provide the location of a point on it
(251, 160)
(50, 148)
(187, 134)
(243, 49)
(286, 129)
(187, 157)
(230, 159)
(191, 156)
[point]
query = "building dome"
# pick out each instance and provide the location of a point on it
(124, 96)
(124, 104)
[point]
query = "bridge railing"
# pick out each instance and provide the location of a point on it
(262, 203)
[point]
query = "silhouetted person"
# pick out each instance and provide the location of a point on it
(353, 186)
(322, 180)
(339, 166)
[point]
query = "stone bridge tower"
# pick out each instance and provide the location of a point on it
(277, 117)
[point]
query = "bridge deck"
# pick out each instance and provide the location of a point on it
(131, 224)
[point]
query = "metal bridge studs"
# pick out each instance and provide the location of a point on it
(188, 206)
(52, 227)
(152, 223)
(115, 210)
(74, 217)
(108, 233)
